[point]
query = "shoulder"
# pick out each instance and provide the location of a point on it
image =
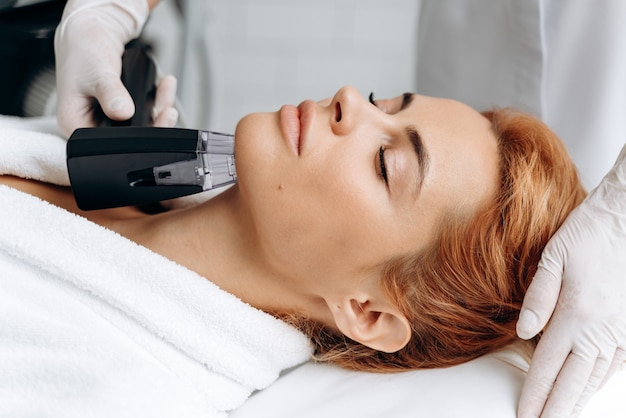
(62, 197)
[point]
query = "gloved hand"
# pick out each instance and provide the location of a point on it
(89, 43)
(581, 283)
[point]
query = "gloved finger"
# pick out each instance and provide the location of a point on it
(165, 94)
(598, 376)
(550, 355)
(539, 302)
(167, 118)
(569, 386)
(115, 100)
(618, 362)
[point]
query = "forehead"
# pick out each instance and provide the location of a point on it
(463, 169)
(450, 115)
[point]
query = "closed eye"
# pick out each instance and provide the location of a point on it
(381, 161)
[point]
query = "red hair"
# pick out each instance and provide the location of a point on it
(463, 293)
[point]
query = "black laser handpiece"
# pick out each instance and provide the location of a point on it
(126, 166)
(139, 77)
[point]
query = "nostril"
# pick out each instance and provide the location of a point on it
(338, 112)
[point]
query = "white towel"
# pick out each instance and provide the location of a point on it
(92, 324)
(32, 148)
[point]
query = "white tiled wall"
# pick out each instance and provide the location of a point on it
(262, 54)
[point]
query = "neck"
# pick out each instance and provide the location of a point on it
(217, 240)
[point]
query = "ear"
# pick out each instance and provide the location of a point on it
(376, 324)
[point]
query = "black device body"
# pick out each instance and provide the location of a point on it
(112, 167)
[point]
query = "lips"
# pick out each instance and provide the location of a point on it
(296, 122)
(307, 114)
(290, 125)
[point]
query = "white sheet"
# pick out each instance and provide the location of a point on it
(488, 387)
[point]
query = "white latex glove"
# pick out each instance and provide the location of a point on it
(89, 43)
(580, 287)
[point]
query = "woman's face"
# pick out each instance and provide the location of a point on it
(341, 186)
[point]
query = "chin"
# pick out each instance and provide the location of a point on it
(259, 152)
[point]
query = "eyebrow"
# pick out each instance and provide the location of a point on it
(418, 145)
(423, 158)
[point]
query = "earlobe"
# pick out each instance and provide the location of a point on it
(377, 325)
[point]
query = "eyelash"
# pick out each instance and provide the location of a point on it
(381, 150)
(381, 161)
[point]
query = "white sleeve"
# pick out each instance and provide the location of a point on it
(562, 60)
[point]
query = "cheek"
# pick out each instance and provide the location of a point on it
(306, 220)
(328, 223)
(319, 223)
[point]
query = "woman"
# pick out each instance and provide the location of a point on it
(412, 226)
(79, 91)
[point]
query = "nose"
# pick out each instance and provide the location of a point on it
(346, 108)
